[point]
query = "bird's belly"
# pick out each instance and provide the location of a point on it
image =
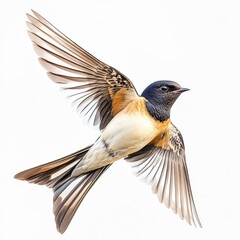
(126, 134)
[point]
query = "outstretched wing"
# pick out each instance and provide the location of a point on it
(162, 164)
(98, 90)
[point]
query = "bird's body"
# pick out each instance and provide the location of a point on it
(128, 132)
(133, 127)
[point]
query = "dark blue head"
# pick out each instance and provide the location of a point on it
(161, 95)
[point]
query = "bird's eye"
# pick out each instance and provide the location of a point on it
(164, 88)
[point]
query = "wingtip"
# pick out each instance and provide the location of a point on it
(28, 14)
(28, 24)
(199, 225)
(56, 79)
(34, 12)
(195, 222)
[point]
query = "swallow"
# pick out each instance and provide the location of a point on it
(133, 127)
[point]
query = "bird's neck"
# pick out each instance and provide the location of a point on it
(158, 112)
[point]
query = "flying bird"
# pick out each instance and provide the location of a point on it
(133, 127)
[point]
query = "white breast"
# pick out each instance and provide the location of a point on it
(128, 133)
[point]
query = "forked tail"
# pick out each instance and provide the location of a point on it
(68, 191)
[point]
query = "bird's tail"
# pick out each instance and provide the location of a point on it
(68, 191)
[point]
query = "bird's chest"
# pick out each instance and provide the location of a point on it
(131, 129)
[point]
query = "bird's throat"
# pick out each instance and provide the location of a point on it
(158, 112)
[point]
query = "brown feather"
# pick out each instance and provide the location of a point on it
(58, 176)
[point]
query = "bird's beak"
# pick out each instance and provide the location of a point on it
(181, 90)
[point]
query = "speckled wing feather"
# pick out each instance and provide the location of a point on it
(98, 91)
(164, 167)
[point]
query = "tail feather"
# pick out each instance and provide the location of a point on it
(69, 191)
(49, 173)
(66, 204)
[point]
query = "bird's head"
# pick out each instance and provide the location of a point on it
(163, 94)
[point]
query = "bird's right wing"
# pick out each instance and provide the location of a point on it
(162, 164)
(98, 90)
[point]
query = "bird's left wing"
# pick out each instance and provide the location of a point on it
(162, 164)
(98, 90)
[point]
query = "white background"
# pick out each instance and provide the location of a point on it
(196, 43)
